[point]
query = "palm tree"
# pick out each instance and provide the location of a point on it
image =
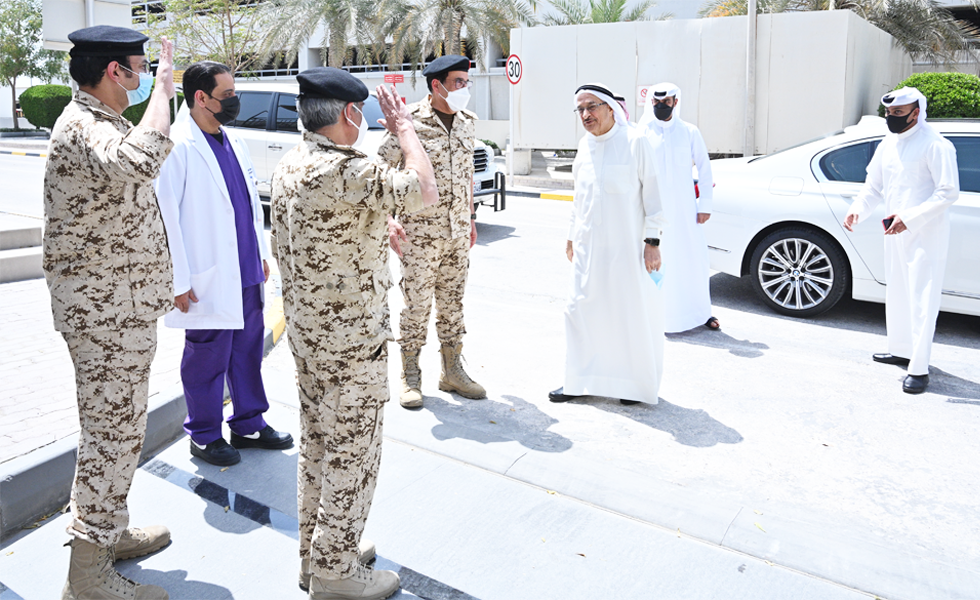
(582, 12)
(924, 28)
(422, 28)
(292, 22)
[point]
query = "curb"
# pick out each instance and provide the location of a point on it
(39, 483)
(19, 153)
(545, 195)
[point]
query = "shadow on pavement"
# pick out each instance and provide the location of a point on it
(175, 582)
(489, 421)
(487, 233)
(276, 468)
(959, 390)
(702, 336)
(736, 293)
(690, 426)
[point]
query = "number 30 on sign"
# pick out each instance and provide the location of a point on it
(514, 69)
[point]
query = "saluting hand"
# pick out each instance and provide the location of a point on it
(165, 68)
(395, 111)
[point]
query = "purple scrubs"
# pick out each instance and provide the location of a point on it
(212, 356)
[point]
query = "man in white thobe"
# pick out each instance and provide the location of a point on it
(677, 145)
(614, 329)
(914, 172)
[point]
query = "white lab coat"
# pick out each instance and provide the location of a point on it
(915, 174)
(614, 316)
(677, 146)
(200, 222)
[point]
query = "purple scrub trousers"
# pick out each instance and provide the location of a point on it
(212, 356)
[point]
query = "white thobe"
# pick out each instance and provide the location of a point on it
(915, 174)
(614, 317)
(677, 146)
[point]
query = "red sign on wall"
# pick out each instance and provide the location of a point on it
(392, 78)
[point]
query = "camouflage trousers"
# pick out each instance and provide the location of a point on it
(433, 267)
(112, 377)
(341, 415)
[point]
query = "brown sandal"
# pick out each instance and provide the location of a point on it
(712, 323)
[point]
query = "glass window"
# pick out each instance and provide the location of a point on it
(286, 115)
(968, 160)
(372, 112)
(255, 110)
(849, 163)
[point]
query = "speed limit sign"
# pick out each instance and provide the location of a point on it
(514, 69)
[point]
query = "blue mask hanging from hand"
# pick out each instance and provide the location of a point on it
(142, 92)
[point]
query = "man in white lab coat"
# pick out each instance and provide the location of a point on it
(677, 145)
(914, 172)
(614, 329)
(214, 223)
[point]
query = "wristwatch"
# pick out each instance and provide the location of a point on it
(472, 216)
(652, 241)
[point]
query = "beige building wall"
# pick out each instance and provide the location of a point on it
(815, 73)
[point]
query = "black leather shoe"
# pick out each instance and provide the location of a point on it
(560, 396)
(629, 402)
(915, 384)
(264, 439)
(217, 452)
(888, 359)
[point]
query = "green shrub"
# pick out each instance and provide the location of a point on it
(950, 95)
(43, 104)
(135, 113)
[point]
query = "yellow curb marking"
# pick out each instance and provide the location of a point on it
(275, 319)
(565, 197)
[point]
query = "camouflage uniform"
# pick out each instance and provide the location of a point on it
(435, 260)
(108, 271)
(329, 213)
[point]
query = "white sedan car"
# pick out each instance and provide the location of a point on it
(779, 219)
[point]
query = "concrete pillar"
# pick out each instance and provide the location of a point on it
(519, 161)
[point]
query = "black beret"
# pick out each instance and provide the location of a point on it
(329, 82)
(106, 40)
(594, 87)
(445, 64)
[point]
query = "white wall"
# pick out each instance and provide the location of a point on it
(816, 72)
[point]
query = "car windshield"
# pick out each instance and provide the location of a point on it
(372, 112)
(795, 146)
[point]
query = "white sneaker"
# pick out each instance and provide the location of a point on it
(364, 584)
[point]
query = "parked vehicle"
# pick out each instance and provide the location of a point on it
(779, 219)
(269, 125)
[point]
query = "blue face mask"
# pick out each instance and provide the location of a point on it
(141, 93)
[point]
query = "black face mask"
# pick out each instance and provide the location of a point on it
(229, 109)
(897, 124)
(662, 111)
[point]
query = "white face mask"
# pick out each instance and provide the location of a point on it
(361, 129)
(457, 100)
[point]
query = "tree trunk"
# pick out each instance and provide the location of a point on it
(13, 102)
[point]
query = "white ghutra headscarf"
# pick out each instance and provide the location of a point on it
(907, 95)
(660, 91)
(601, 92)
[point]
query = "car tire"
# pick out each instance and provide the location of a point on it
(799, 272)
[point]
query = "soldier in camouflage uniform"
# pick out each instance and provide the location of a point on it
(108, 272)
(329, 207)
(434, 244)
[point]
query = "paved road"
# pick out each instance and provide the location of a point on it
(23, 178)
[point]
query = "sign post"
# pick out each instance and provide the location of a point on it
(514, 70)
(394, 78)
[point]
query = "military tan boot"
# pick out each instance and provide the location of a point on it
(366, 553)
(454, 378)
(364, 584)
(92, 577)
(411, 396)
(140, 542)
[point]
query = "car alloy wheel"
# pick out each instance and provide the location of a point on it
(799, 272)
